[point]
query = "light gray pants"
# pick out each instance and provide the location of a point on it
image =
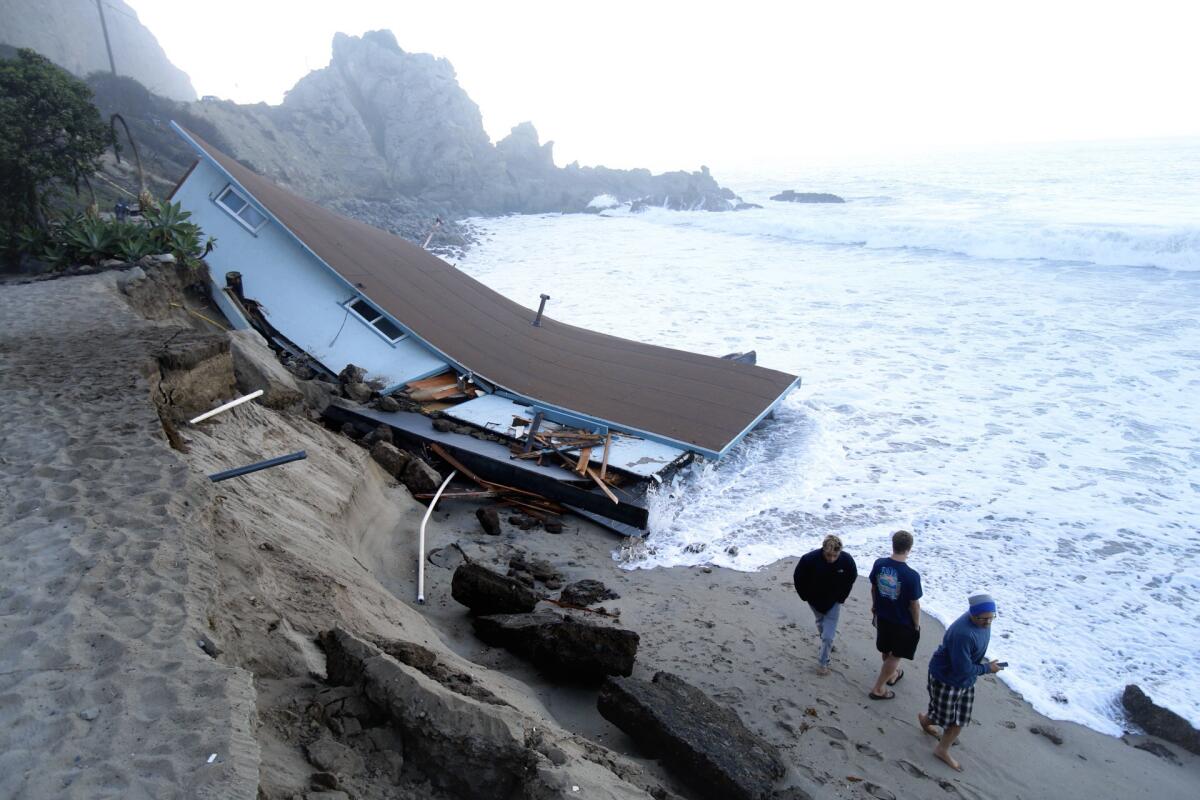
(827, 628)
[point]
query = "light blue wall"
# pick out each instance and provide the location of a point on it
(299, 296)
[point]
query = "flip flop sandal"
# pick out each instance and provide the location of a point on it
(888, 696)
(899, 678)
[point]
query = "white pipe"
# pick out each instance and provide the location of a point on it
(421, 551)
(226, 407)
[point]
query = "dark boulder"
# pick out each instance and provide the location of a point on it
(358, 392)
(420, 478)
(562, 646)
(382, 433)
(487, 592)
(352, 374)
(489, 520)
(1158, 721)
(391, 458)
(586, 592)
(792, 196)
(388, 404)
(699, 739)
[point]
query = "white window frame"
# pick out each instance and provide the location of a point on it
(370, 323)
(231, 189)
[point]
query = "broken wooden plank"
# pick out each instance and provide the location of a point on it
(603, 486)
(533, 429)
(604, 461)
(455, 495)
(585, 455)
(441, 379)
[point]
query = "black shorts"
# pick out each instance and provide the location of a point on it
(899, 640)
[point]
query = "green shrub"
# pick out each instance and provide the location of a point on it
(86, 239)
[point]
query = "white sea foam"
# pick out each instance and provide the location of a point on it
(603, 201)
(1033, 422)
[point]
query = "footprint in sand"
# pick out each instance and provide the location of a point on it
(867, 750)
(875, 790)
(912, 769)
(834, 733)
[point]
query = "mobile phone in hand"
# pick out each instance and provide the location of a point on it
(1001, 663)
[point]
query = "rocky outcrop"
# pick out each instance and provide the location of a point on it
(1158, 721)
(792, 196)
(68, 32)
(395, 132)
(487, 592)
(703, 742)
(563, 646)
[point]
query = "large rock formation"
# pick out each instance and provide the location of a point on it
(379, 123)
(68, 32)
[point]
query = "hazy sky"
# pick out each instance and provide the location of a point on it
(671, 85)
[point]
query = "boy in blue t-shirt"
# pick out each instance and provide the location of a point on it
(895, 613)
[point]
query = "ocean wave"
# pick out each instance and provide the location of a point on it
(1175, 248)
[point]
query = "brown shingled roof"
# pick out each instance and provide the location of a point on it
(700, 401)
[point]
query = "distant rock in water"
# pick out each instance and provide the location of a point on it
(792, 196)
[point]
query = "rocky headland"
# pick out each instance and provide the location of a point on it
(380, 124)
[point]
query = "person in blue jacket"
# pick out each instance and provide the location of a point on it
(958, 661)
(824, 579)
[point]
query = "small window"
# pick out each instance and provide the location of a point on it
(232, 201)
(375, 318)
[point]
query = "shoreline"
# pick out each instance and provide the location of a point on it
(749, 641)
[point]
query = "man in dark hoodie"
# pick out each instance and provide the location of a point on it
(955, 665)
(824, 579)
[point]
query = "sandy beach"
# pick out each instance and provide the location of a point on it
(157, 631)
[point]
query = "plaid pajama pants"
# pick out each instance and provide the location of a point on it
(949, 705)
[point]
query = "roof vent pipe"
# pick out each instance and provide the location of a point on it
(537, 321)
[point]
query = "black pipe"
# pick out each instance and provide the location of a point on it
(246, 470)
(537, 321)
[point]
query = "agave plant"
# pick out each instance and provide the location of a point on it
(134, 244)
(91, 239)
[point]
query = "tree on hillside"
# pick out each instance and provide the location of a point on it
(50, 135)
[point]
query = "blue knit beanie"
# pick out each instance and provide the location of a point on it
(981, 604)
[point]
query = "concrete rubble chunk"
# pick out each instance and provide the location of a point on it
(352, 374)
(587, 592)
(420, 478)
(464, 746)
(489, 520)
(562, 645)
(358, 392)
(256, 367)
(1158, 721)
(700, 740)
(393, 460)
(487, 592)
(335, 757)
